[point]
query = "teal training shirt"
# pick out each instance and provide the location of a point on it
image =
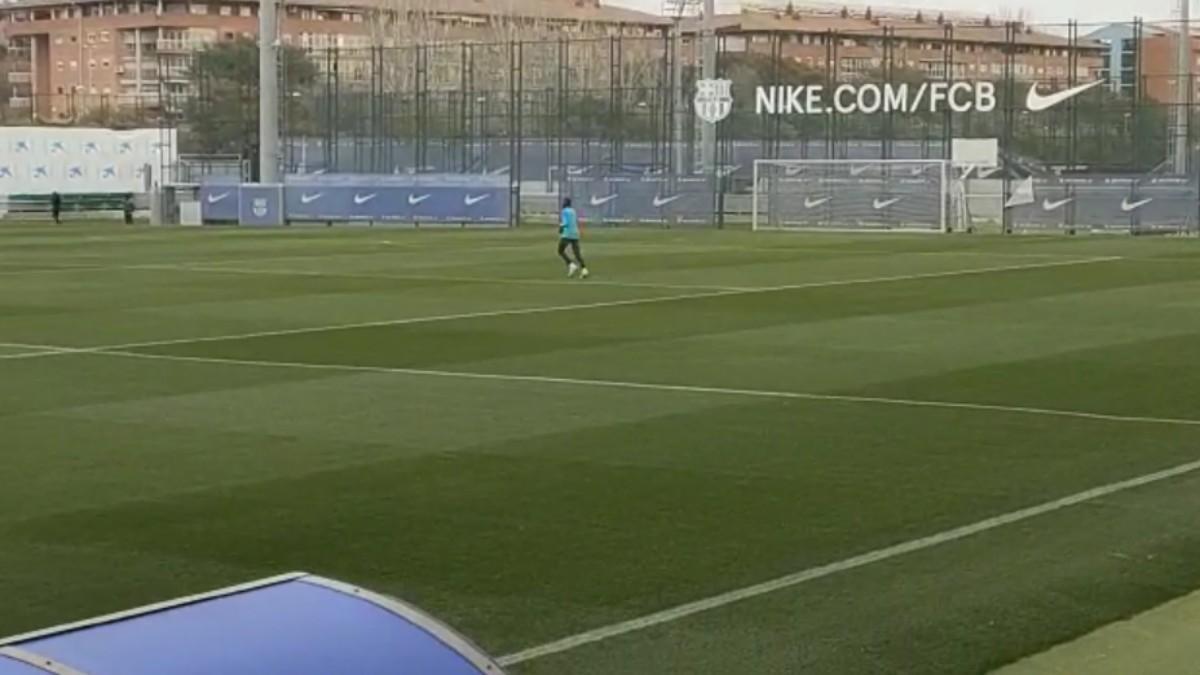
(569, 225)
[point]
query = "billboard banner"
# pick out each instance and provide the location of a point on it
(1122, 203)
(260, 205)
(42, 160)
(440, 198)
(649, 199)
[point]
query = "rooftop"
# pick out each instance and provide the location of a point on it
(564, 10)
(927, 27)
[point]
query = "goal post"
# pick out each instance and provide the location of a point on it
(910, 195)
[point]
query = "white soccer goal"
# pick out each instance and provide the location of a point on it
(914, 195)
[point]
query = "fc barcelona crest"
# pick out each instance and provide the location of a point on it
(714, 100)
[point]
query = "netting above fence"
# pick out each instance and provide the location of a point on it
(1062, 100)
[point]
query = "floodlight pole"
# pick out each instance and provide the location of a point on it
(708, 131)
(268, 92)
(1184, 80)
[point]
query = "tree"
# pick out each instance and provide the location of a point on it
(220, 110)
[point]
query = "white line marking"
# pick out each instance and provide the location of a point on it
(33, 350)
(717, 601)
(579, 307)
(813, 573)
(57, 269)
(650, 386)
(217, 269)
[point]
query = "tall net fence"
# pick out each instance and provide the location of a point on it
(597, 117)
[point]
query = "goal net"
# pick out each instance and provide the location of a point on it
(852, 194)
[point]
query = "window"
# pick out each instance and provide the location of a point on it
(107, 91)
(58, 40)
(105, 63)
(226, 10)
(74, 65)
(92, 64)
(60, 90)
(245, 10)
(60, 65)
(104, 36)
(856, 64)
(196, 8)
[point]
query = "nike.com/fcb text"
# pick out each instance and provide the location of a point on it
(847, 99)
(930, 97)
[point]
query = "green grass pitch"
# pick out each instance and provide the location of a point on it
(445, 417)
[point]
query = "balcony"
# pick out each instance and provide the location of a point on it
(174, 45)
(20, 78)
(20, 102)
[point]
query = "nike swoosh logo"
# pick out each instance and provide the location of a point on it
(859, 170)
(308, 199)
(1035, 101)
(601, 201)
(663, 201)
(213, 199)
(810, 203)
(359, 200)
(577, 171)
(472, 201)
(1128, 206)
(793, 170)
(1048, 205)
(918, 170)
(880, 204)
(988, 173)
(413, 200)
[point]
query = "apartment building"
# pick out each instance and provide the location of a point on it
(923, 42)
(1146, 57)
(66, 57)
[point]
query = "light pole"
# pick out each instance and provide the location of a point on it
(268, 92)
(708, 130)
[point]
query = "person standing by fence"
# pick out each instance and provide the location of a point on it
(56, 207)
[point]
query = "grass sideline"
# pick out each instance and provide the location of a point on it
(524, 510)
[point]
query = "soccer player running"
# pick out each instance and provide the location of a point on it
(568, 233)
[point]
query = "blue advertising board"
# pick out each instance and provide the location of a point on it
(435, 198)
(260, 205)
(219, 200)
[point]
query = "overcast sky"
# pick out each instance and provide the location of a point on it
(1099, 11)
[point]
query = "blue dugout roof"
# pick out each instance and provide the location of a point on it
(297, 624)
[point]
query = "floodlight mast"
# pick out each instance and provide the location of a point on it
(268, 92)
(708, 135)
(1184, 89)
(678, 10)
